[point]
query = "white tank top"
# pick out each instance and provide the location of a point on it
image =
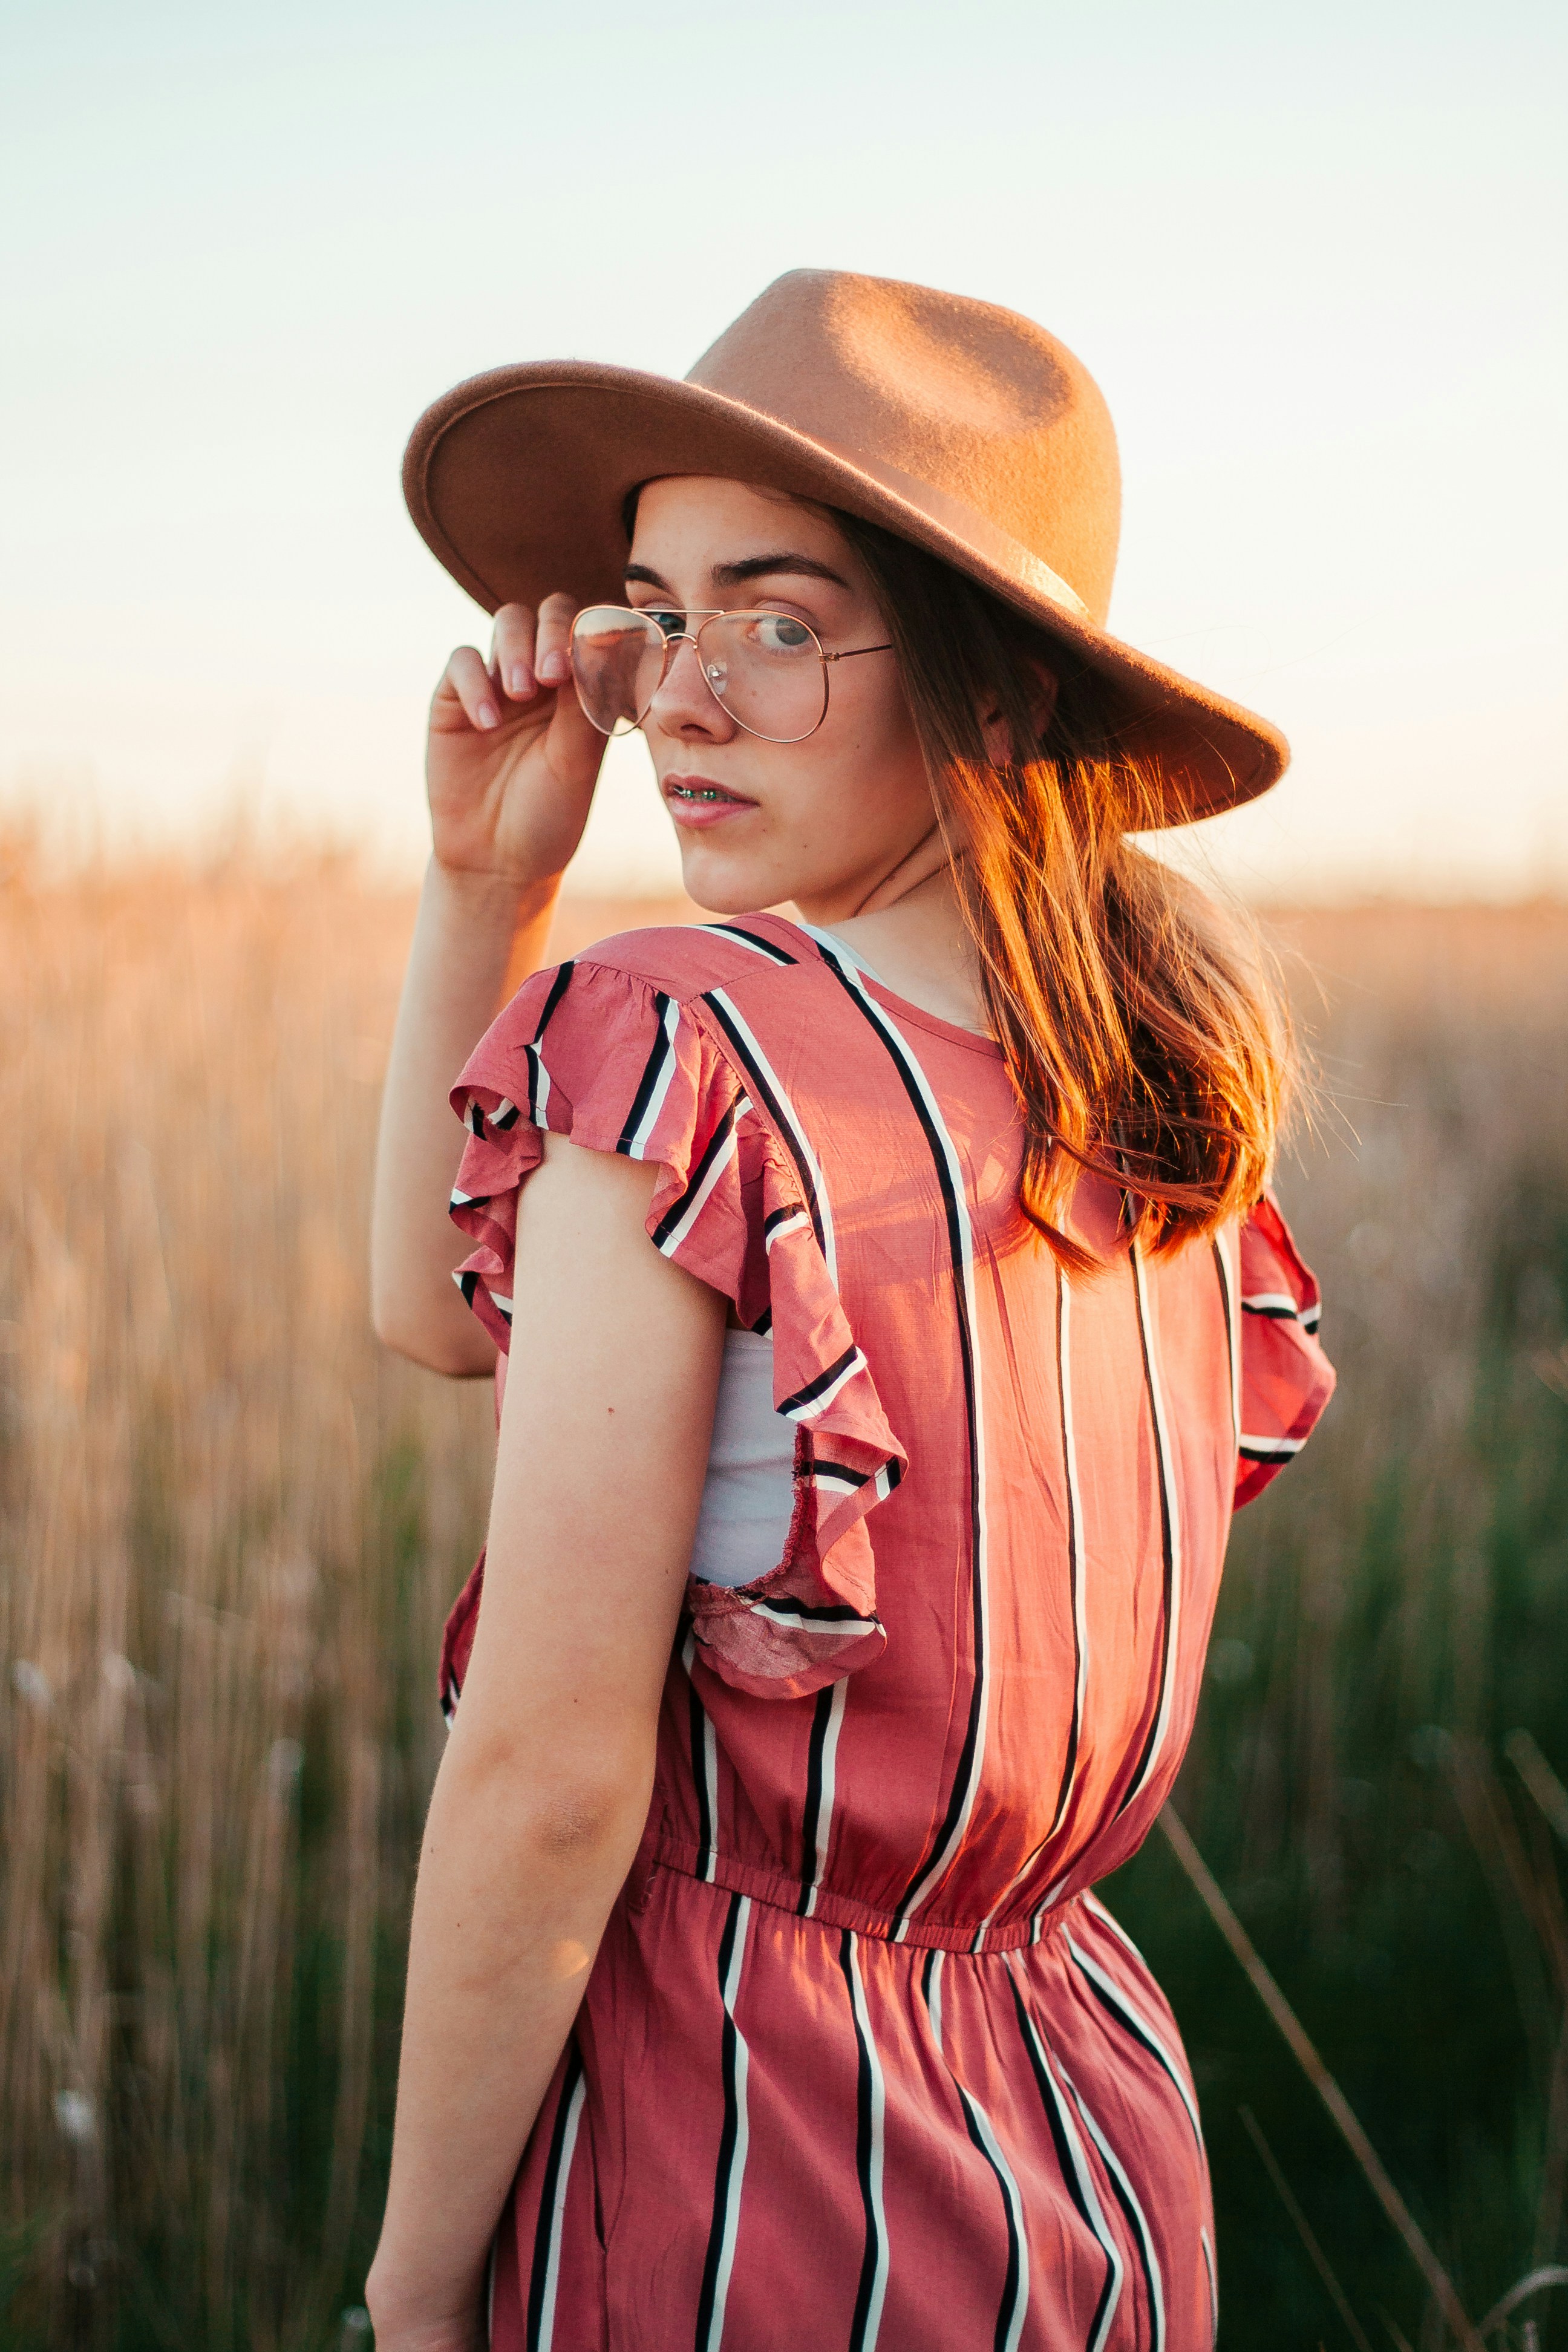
(747, 1497)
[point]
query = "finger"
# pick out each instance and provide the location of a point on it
(511, 652)
(465, 682)
(553, 652)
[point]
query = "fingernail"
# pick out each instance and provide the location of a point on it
(489, 716)
(519, 681)
(552, 668)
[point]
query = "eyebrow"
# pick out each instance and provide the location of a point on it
(755, 567)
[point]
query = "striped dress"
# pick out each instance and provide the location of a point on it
(862, 2060)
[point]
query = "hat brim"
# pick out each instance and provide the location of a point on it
(517, 482)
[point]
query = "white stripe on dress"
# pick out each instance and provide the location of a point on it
(828, 1788)
(1080, 1628)
(707, 1789)
(1075, 1508)
(983, 2131)
(1154, 2278)
(730, 2219)
(1228, 1288)
(558, 2215)
(1091, 1902)
(949, 1173)
(637, 1144)
(1141, 2029)
(871, 2184)
(704, 1193)
(1170, 1657)
(763, 948)
(1087, 2194)
(791, 1119)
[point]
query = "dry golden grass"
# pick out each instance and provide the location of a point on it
(203, 1639)
(229, 1528)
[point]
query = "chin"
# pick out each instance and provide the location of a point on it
(728, 885)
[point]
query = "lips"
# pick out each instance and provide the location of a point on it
(697, 801)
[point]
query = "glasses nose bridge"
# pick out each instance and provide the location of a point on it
(674, 640)
(690, 636)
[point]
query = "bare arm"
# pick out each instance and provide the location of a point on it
(511, 765)
(544, 1790)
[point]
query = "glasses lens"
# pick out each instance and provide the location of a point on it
(767, 670)
(617, 660)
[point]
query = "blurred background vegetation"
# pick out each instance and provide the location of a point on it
(229, 1529)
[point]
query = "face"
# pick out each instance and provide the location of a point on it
(821, 822)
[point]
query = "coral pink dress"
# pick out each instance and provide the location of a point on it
(862, 2060)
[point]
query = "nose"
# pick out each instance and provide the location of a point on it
(686, 709)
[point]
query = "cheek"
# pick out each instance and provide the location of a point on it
(875, 736)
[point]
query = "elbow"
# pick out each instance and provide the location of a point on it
(459, 1350)
(580, 1820)
(580, 1827)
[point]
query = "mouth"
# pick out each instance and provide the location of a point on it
(697, 801)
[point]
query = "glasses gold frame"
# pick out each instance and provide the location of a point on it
(705, 615)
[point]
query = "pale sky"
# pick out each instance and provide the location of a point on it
(1313, 257)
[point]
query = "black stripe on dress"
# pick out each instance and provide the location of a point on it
(717, 1145)
(811, 1816)
(1149, 2261)
(866, 2316)
(701, 1737)
(550, 2190)
(726, 2178)
(558, 988)
(1228, 1308)
(823, 1381)
(1167, 1546)
(660, 1055)
(839, 1474)
(781, 1116)
(751, 939)
(1115, 2003)
(1071, 2161)
(982, 2133)
(829, 1613)
(962, 1791)
(1075, 1539)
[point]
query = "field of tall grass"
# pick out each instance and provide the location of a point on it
(229, 1528)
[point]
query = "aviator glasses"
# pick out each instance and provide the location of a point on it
(768, 670)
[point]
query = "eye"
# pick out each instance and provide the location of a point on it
(668, 620)
(776, 633)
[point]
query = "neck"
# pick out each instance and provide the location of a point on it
(910, 931)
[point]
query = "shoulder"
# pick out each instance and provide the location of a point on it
(686, 960)
(638, 1029)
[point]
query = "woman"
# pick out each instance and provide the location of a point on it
(854, 1546)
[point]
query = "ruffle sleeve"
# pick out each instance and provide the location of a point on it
(605, 1056)
(1285, 1378)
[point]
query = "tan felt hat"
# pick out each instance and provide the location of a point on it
(957, 424)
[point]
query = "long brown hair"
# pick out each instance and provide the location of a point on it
(1142, 1026)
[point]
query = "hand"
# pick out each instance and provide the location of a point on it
(512, 762)
(429, 2335)
(407, 2323)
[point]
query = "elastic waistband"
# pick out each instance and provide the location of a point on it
(825, 1907)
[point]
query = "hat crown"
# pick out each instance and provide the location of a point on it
(961, 398)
